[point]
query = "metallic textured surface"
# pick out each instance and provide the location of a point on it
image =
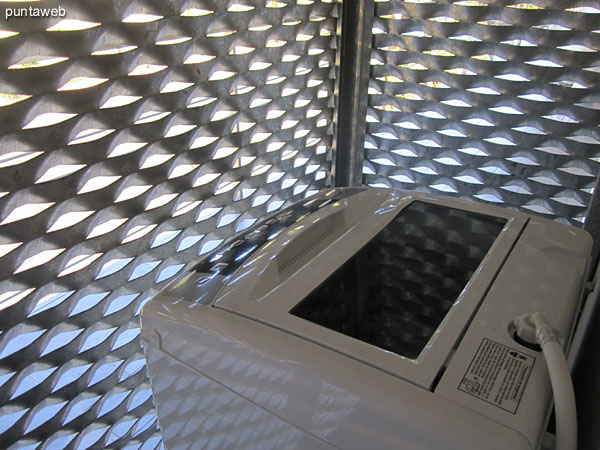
(487, 100)
(135, 136)
(395, 291)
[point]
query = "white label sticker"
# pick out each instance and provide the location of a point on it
(498, 375)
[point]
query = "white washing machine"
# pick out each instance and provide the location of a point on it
(365, 318)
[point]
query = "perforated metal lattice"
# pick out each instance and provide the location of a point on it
(488, 100)
(134, 137)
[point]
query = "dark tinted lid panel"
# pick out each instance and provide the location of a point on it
(395, 291)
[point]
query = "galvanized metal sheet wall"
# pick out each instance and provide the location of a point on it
(136, 135)
(488, 100)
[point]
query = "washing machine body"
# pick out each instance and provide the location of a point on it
(365, 317)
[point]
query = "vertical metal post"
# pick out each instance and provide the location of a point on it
(355, 54)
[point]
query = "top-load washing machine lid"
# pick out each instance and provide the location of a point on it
(388, 278)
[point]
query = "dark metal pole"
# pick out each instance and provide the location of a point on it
(355, 54)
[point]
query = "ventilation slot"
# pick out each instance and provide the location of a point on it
(309, 241)
(306, 251)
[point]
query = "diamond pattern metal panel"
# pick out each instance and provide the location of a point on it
(488, 100)
(134, 137)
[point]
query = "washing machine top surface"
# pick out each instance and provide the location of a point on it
(388, 278)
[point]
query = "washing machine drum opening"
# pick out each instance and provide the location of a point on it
(395, 291)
